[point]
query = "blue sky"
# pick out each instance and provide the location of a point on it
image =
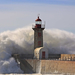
(65, 2)
(58, 14)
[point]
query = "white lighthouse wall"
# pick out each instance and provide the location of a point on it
(37, 52)
(46, 53)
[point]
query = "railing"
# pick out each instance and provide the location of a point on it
(28, 56)
(42, 26)
(31, 56)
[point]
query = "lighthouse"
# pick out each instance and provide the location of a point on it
(39, 51)
(38, 33)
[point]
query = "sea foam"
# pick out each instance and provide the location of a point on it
(21, 41)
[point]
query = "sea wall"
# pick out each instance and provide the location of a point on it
(48, 66)
(53, 66)
(30, 66)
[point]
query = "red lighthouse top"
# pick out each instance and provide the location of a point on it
(38, 19)
(38, 24)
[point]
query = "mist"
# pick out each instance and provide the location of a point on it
(21, 41)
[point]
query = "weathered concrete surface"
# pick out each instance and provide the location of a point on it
(46, 66)
(53, 66)
(35, 64)
(49, 66)
(30, 66)
(26, 67)
(67, 57)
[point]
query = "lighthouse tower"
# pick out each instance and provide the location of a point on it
(38, 33)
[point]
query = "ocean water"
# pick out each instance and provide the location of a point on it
(21, 41)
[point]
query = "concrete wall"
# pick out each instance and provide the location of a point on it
(62, 56)
(38, 53)
(48, 66)
(67, 57)
(46, 53)
(52, 66)
(30, 66)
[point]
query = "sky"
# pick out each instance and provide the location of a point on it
(57, 14)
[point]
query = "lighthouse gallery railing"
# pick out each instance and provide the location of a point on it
(42, 26)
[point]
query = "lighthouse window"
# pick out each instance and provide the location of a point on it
(39, 42)
(39, 34)
(38, 22)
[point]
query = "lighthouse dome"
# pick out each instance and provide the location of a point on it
(38, 19)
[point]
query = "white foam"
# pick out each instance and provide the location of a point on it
(22, 41)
